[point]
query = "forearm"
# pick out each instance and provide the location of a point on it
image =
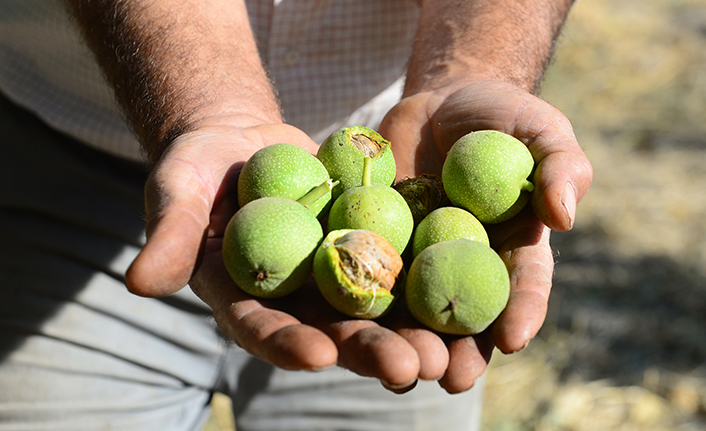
(506, 40)
(175, 63)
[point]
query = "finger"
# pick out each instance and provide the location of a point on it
(563, 173)
(267, 333)
(561, 180)
(178, 207)
(468, 360)
(278, 337)
(528, 257)
(368, 349)
(365, 347)
(399, 390)
(431, 349)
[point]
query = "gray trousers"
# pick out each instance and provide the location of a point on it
(78, 352)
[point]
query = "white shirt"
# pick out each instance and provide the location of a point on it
(334, 63)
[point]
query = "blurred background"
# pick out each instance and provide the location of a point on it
(624, 343)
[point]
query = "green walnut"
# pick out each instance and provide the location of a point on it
(344, 151)
(447, 224)
(269, 246)
(457, 287)
(283, 170)
(487, 173)
(374, 207)
(359, 273)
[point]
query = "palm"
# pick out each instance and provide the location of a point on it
(422, 129)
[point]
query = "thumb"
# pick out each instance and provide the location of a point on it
(181, 193)
(178, 204)
(562, 178)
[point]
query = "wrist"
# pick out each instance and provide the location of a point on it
(506, 41)
(206, 119)
(177, 64)
(446, 78)
(214, 130)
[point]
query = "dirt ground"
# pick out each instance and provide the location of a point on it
(624, 344)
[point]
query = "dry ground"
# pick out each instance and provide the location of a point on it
(624, 344)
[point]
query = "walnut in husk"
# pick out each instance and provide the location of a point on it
(343, 152)
(423, 194)
(358, 272)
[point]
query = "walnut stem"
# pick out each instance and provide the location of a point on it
(317, 193)
(367, 171)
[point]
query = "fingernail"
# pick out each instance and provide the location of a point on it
(568, 201)
(399, 389)
(524, 346)
(320, 369)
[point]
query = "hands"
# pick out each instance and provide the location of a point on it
(424, 126)
(191, 196)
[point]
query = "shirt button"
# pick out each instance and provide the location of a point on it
(291, 57)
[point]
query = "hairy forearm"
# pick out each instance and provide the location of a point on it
(174, 63)
(507, 40)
